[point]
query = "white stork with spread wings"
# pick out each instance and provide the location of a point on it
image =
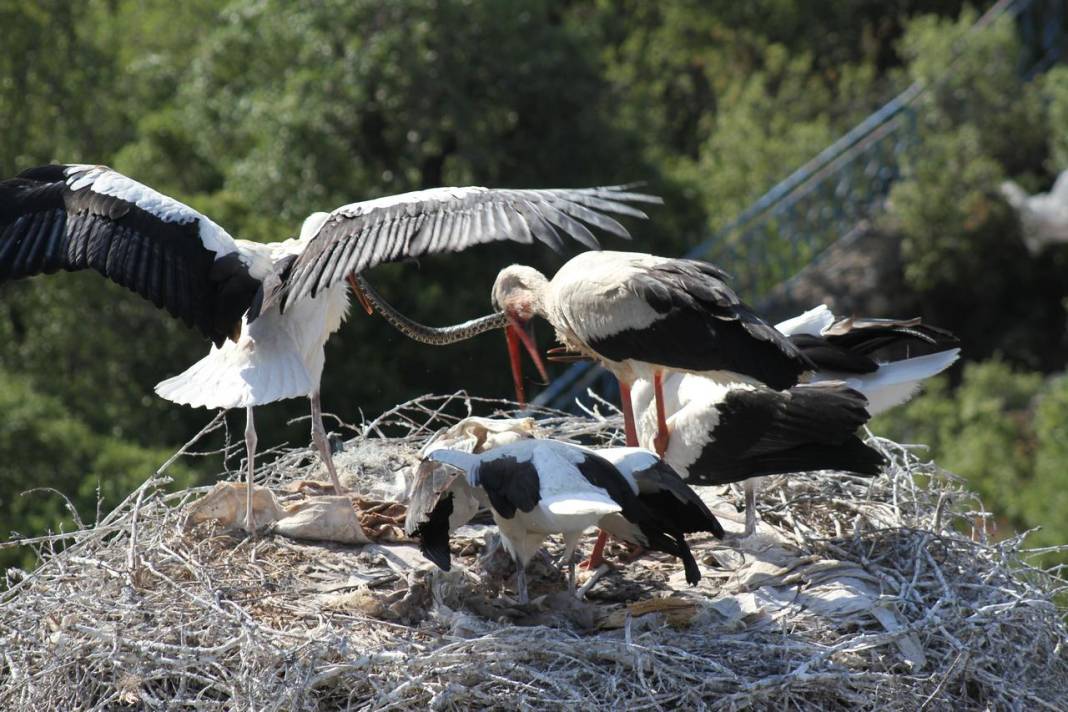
(268, 308)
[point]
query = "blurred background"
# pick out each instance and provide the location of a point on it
(878, 156)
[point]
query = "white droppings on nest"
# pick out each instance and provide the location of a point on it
(861, 593)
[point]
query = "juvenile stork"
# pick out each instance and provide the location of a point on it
(540, 487)
(441, 502)
(267, 308)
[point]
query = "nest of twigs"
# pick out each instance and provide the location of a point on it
(885, 593)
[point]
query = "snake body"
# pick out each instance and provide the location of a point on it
(437, 336)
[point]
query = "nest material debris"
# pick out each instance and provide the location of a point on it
(854, 594)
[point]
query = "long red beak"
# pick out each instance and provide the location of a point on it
(517, 332)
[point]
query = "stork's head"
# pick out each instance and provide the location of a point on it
(519, 293)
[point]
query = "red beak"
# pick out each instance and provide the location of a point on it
(517, 332)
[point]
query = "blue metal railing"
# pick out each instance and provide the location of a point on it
(827, 197)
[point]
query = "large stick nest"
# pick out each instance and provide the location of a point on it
(885, 593)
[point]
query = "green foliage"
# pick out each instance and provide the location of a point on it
(949, 212)
(54, 77)
(1048, 499)
(1055, 89)
(362, 98)
(772, 119)
(979, 123)
(49, 455)
(973, 79)
(1006, 432)
(734, 98)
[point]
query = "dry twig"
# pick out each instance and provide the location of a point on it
(139, 612)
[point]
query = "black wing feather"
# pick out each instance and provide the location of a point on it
(853, 345)
(435, 221)
(661, 530)
(510, 484)
(765, 432)
(433, 534)
(703, 326)
(664, 491)
(46, 226)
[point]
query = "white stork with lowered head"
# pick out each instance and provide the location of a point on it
(268, 308)
(540, 487)
(643, 316)
(438, 506)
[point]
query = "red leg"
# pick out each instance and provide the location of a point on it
(597, 555)
(631, 434)
(662, 434)
(629, 431)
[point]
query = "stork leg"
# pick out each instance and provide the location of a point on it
(250, 451)
(521, 582)
(749, 487)
(318, 433)
(630, 432)
(660, 442)
(569, 559)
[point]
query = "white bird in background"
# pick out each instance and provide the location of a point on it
(1043, 216)
(268, 308)
(541, 487)
(731, 432)
(643, 316)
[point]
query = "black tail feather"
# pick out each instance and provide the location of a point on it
(689, 564)
(688, 516)
(433, 534)
(850, 456)
(857, 345)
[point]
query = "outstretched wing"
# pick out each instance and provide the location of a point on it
(361, 235)
(73, 217)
